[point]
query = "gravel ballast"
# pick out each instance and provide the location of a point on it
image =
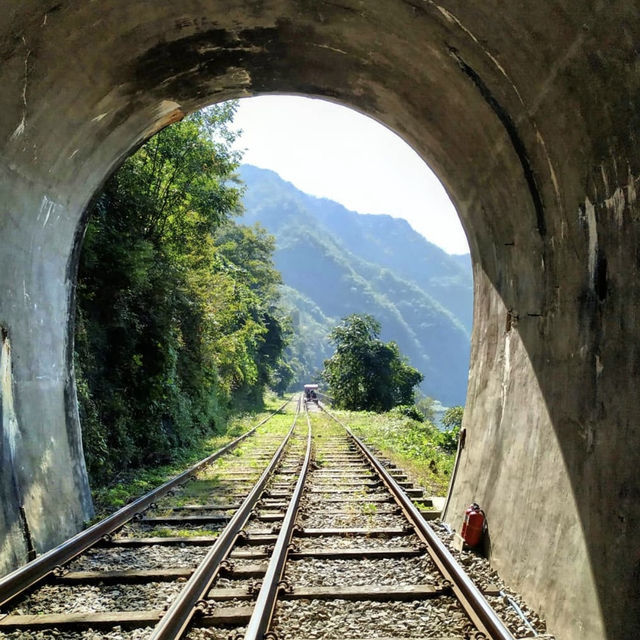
(357, 542)
(318, 519)
(304, 619)
(215, 633)
(85, 598)
(142, 530)
(382, 571)
(151, 557)
(339, 619)
(483, 575)
(88, 634)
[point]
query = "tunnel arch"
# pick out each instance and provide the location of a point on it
(530, 119)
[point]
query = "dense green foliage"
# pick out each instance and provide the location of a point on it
(425, 406)
(417, 446)
(452, 418)
(309, 345)
(365, 372)
(452, 423)
(176, 304)
(335, 262)
(134, 482)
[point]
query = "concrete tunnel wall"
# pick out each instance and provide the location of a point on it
(530, 117)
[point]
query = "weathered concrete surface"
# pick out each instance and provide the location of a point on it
(529, 113)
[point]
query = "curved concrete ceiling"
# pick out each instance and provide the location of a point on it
(528, 114)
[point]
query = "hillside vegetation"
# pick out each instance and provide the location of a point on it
(177, 322)
(336, 262)
(365, 372)
(183, 315)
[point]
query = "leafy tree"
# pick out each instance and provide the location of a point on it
(409, 411)
(452, 418)
(282, 377)
(176, 321)
(452, 422)
(365, 373)
(424, 405)
(257, 333)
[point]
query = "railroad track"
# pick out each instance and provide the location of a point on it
(308, 536)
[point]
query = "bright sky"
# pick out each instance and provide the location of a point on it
(333, 152)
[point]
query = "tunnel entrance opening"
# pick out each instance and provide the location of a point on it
(337, 260)
(530, 118)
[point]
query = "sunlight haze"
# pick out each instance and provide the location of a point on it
(333, 152)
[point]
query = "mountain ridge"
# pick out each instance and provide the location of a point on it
(344, 262)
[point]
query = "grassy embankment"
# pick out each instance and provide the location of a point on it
(137, 482)
(211, 483)
(413, 446)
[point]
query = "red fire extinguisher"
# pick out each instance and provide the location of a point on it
(473, 525)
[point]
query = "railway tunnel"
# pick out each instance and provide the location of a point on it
(529, 114)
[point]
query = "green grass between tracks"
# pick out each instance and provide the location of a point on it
(411, 445)
(136, 483)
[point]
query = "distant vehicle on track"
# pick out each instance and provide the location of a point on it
(311, 393)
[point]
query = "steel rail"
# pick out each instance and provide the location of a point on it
(178, 617)
(18, 581)
(471, 599)
(266, 601)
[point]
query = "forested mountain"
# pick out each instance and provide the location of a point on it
(335, 262)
